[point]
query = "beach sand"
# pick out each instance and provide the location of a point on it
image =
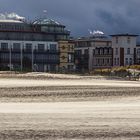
(78, 108)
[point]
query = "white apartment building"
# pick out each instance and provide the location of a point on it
(124, 46)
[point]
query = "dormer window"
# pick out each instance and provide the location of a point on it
(128, 40)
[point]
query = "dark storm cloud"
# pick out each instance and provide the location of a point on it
(110, 16)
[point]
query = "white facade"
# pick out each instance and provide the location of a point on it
(123, 49)
(22, 46)
(34, 44)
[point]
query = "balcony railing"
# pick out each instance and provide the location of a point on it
(47, 51)
(46, 61)
(56, 31)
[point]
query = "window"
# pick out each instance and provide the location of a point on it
(110, 51)
(5, 57)
(69, 58)
(28, 47)
(41, 47)
(101, 51)
(128, 50)
(53, 47)
(126, 61)
(72, 47)
(103, 61)
(98, 61)
(78, 52)
(118, 61)
(107, 60)
(116, 51)
(115, 61)
(117, 40)
(86, 51)
(108, 43)
(138, 53)
(4, 46)
(93, 52)
(98, 51)
(128, 40)
(16, 46)
(130, 61)
(106, 51)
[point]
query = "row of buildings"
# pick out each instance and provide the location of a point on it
(45, 45)
(99, 51)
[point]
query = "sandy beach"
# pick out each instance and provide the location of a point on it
(78, 108)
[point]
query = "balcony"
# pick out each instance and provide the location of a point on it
(15, 50)
(5, 50)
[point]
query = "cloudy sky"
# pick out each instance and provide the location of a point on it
(109, 16)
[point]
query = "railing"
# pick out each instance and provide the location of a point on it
(59, 32)
(46, 61)
(47, 51)
(29, 51)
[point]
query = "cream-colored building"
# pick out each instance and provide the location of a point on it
(124, 46)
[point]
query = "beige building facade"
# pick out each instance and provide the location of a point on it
(124, 46)
(66, 49)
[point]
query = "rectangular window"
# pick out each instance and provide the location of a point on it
(69, 58)
(115, 61)
(16, 46)
(108, 60)
(130, 61)
(117, 40)
(41, 47)
(28, 47)
(110, 51)
(126, 61)
(53, 47)
(93, 52)
(101, 51)
(103, 62)
(138, 51)
(86, 51)
(128, 50)
(118, 61)
(128, 40)
(105, 51)
(116, 51)
(78, 52)
(4, 46)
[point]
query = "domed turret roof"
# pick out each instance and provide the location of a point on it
(47, 22)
